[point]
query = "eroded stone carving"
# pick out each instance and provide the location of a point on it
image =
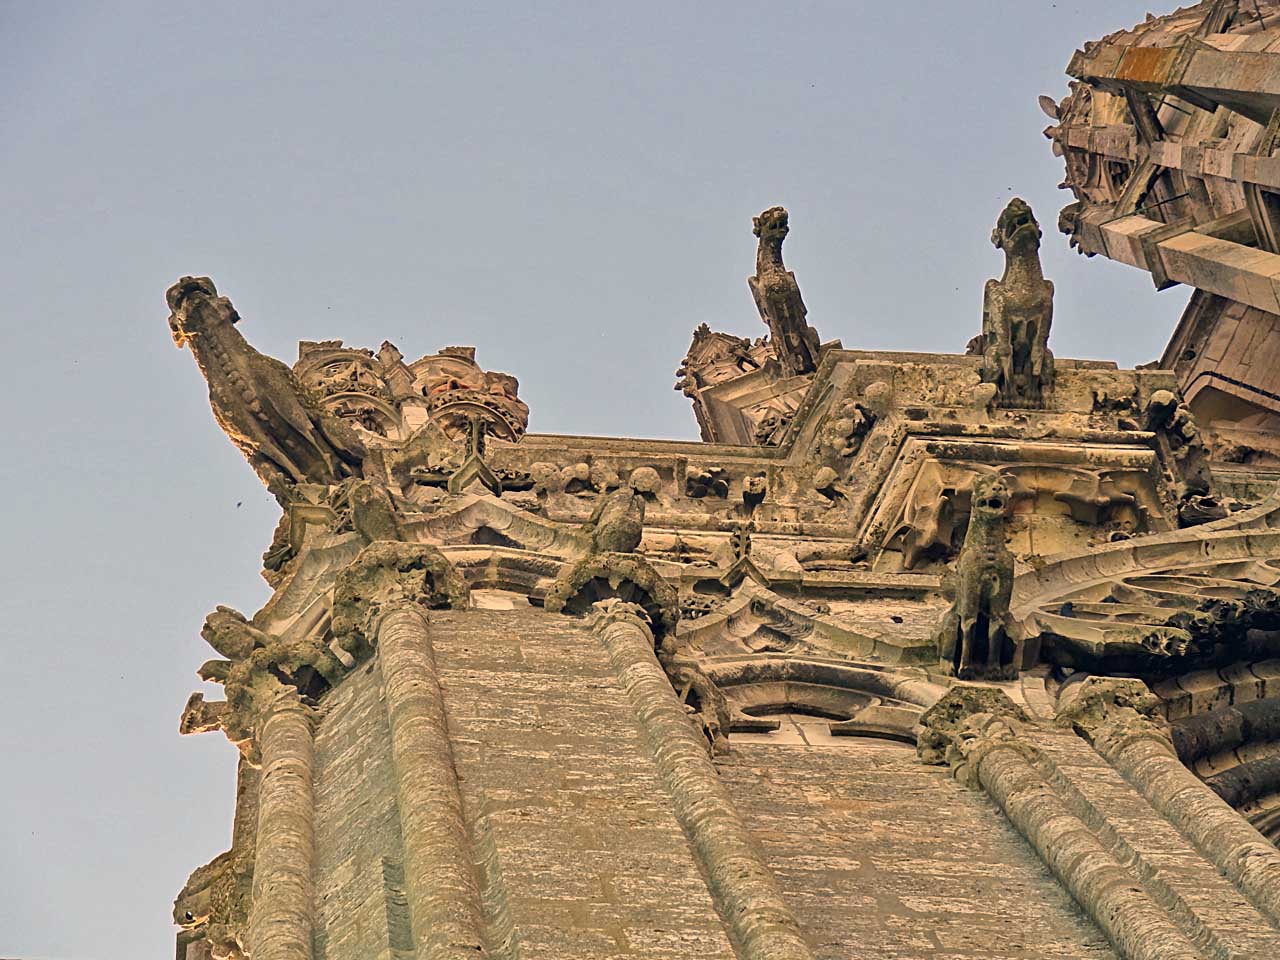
(947, 728)
(714, 358)
(699, 693)
(1017, 311)
(976, 637)
(771, 427)
(262, 407)
(841, 436)
(214, 904)
(259, 667)
(706, 482)
(778, 298)
(617, 523)
(458, 391)
(386, 572)
(1107, 711)
(1186, 454)
(624, 576)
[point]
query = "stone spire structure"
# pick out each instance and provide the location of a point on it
(913, 654)
(1169, 136)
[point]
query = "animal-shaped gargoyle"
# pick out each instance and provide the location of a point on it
(1017, 311)
(778, 297)
(976, 637)
(284, 433)
(617, 523)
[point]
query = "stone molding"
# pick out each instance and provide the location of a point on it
(617, 569)
(1117, 717)
(387, 574)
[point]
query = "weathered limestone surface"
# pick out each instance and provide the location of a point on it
(1116, 717)
(883, 857)
(440, 877)
(555, 773)
(1183, 881)
(744, 891)
(361, 905)
(281, 920)
(531, 696)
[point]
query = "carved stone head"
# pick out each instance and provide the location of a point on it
(195, 307)
(990, 499)
(1017, 228)
(228, 632)
(771, 225)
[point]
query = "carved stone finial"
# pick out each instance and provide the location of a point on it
(742, 567)
(977, 637)
(1017, 311)
(284, 433)
(777, 297)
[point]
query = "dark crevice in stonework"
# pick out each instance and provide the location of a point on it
(311, 686)
(598, 588)
(399, 931)
(488, 537)
(500, 928)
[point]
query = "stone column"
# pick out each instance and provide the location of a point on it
(444, 896)
(975, 730)
(744, 891)
(1118, 717)
(281, 917)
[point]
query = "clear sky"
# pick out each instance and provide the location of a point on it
(567, 186)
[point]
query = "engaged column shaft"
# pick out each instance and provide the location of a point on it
(744, 891)
(444, 897)
(281, 919)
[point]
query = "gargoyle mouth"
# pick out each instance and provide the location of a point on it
(181, 335)
(190, 921)
(1016, 219)
(1022, 221)
(991, 503)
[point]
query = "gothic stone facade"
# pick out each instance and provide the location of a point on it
(913, 655)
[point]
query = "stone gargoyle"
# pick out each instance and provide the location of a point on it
(616, 524)
(1017, 311)
(777, 296)
(977, 637)
(263, 408)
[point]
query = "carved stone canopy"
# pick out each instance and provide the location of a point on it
(385, 396)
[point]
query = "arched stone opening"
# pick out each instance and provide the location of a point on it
(765, 693)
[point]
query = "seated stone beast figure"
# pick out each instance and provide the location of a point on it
(280, 428)
(1017, 311)
(977, 637)
(778, 298)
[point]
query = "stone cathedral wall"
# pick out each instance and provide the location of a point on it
(573, 834)
(855, 830)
